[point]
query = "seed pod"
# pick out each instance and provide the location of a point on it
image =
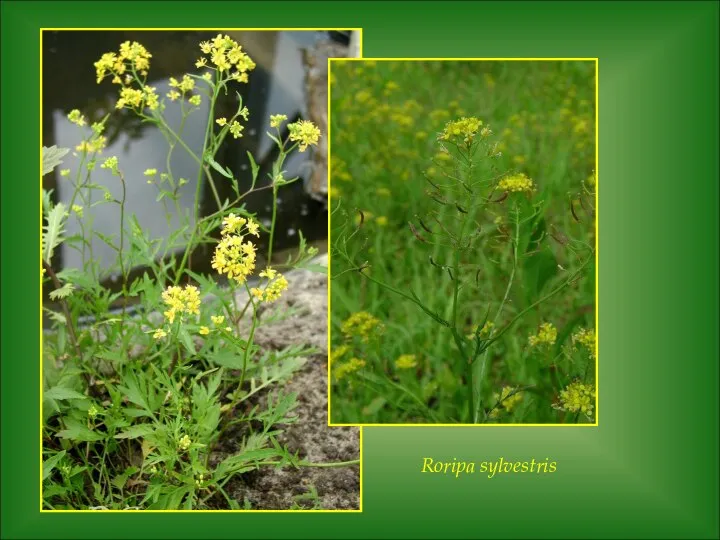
(362, 218)
(460, 208)
(416, 234)
(502, 198)
(572, 210)
(424, 226)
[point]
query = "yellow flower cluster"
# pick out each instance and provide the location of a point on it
(277, 119)
(406, 361)
(233, 256)
(506, 399)
(304, 132)
(587, 339)
(272, 291)
(547, 334)
(362, 325)
(351, 365)
(181, 301)
(138, 99)
(577, 397)
(339, 352)
(486, 330)
(184, 443)
(465, 128)
(227, 55)
(516, 183)
(76, 117)
(133, 57)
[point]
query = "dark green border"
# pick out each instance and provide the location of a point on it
(650, 469)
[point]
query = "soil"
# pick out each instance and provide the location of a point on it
(275, 489)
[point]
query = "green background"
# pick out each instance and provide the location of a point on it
(649, 470)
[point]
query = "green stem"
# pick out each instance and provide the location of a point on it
(272, 225)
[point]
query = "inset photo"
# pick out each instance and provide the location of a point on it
(463, 249)
(184, 273)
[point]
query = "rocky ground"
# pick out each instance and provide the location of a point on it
(337, 488)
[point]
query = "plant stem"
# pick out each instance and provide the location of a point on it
(272, 225)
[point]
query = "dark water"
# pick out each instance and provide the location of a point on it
(276, 87)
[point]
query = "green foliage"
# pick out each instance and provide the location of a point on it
(451, 187)
(147, 387)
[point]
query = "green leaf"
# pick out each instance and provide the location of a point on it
(53, 231)
(255, 169)
(78, 432)
(187, 340)
(60, 393)
(143, 430)
(52, 157)
(63, 292)
(215, 165)
(47, 203)
(538, 269)
(49, 464)
(120, 480)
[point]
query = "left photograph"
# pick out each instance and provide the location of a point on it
(184, 272)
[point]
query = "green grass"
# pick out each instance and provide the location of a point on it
(385, 118)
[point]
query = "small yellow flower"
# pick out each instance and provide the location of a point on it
(173, 95)
(184, 442)
(339, 352)
(577, 397)
(92, 411)
(505, 400)
(112, 164)
(221, 121)
(406, 361)
(202, 62)
(276, 285)
(76, 117)
(181, 301)
(204, 330)
(159, 334)
(65, 172)
(354, 364)
(381, 221)
(78, 210)
(362, 325)
(236, 129)
(195, 100)
(277, 119)
(218, 320)
(150, 172)
(587, 339)
(464, 128)
(516, 183)
(547, 334)
(304, 132)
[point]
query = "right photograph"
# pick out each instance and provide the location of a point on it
(463, 242)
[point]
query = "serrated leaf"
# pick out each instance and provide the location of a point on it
(53, 231)
(143, 430)
(52, 157)
(60, 393)
(63, 292)
(47, 203)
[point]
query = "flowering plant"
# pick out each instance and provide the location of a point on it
(136, 405)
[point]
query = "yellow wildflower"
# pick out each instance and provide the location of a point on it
(276, 285)
(219, 319)
(547, 334)
(181, 301)
(277, 119)
(362, 325)
(78, 210)
(236, 129)
(351, 365)
(505, 400)
(304, 132)
(234, 258)
(221, 121)
(577, 397)
(464, 128)
(339, 352)
(204, 330)
(587, 339)
(76, 117)
(406, 361)
(159, 333)
(516, 183)
(184, 442)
